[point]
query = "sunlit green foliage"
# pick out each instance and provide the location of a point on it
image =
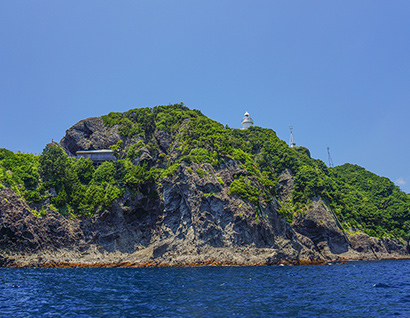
(104, 173)
(371, 201)
(201, 173)
(20, 172)
(80, 188)
(84, 168)
(170, 118)
(170, 170)
(144, 121)
(243, 188)
(359, 198)
(53, 165)
(137, 175)
(133, 150)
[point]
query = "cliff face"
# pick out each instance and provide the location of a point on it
(23, 234)
(195, 222)
(89, 134)
(190, 216)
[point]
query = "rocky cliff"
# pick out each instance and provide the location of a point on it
(89, 134)
(196, 222)
(190, 216)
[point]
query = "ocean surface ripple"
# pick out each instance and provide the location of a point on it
(358, 289)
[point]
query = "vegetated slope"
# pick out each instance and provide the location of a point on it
(151, 144)
(360, 198)
(164, 149)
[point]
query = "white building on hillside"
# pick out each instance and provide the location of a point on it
(247, 121)
(98, 156)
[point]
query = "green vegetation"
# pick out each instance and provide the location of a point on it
(245, 190)
(79, 188)
(286, 213)
(366, 200)
(20, 172)
(200, 172)
(143, 121)
(361, 200)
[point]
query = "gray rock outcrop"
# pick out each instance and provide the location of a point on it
(22, 231)
(196, 222)
(191, 218)
(320, 225)
(89, 134)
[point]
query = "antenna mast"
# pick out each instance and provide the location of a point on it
(331, 165)
(291, 143)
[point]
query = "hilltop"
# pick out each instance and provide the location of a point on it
(185, 189)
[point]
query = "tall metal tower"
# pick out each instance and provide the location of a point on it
(291, 143)
(331, 165)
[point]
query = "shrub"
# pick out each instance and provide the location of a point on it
(104, 173)
(84, 168)
(243, 189)
(200, 172)
(170, 170)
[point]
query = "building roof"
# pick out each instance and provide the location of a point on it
(95, 151)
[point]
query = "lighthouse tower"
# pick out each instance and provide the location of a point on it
(247, 121)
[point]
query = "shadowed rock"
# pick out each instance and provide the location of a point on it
(183, 219)
(322, 227)
(89, 134)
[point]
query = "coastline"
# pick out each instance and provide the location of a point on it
(144, 259)
(197, 264)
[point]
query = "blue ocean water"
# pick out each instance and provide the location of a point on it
(358, 289)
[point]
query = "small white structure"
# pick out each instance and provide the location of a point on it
(247, 121)
(98, 156)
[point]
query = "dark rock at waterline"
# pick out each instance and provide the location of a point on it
(320, 225)
(22, 231)
(187, 226)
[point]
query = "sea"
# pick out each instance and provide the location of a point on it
(356, 289)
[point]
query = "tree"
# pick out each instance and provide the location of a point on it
(84, 168)
(105, 173)
(53, 165)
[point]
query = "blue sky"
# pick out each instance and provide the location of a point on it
(339, 73)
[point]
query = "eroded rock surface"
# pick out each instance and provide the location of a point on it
(285, 185)
(320, 225)
(89, 134)
(196, 222)
(192, 219)
(22, 231)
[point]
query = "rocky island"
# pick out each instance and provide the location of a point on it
(182, 189)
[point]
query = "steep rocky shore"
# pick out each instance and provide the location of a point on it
(193, 219)
(188, 227)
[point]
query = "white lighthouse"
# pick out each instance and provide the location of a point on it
(247, 121)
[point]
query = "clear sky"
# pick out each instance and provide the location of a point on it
(338, 72)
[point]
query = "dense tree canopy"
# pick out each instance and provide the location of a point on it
(361, 199)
